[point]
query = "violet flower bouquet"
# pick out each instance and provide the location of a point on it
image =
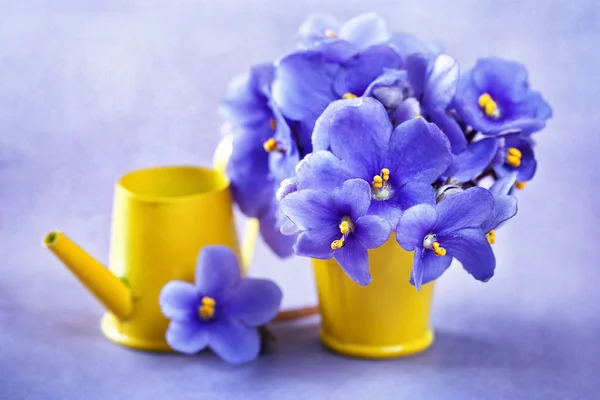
(362, 133)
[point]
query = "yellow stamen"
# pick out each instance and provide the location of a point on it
(491, 236)
(330, 33)
(520, 185)
(513, 151)
(336, 244)
(208, 301)
(270, 145)
(344, 227)
(207, 309)
(488, 105)
(418, 116)
(385, 174)
(377, 182)
(513, 160)
(484, 99)
(273, 124)
(438, 250)
(349, 96)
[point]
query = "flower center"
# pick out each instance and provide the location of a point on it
(380, 185)
(206, 311)
(491, 236)
(513, 157)
(430, 242)
(271, 145)
(330, 33)
(489, 106)
(346, 228)
(349, 96)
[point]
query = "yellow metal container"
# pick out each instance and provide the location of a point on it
(162, 217)
(387, 318)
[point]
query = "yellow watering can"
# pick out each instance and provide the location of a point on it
(162, 218)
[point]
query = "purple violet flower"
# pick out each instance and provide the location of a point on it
(336, 225)
(508, 155)
(400, 164)
(324, 33)
(306, 81)
(451, 229)
(258, 126)
(494, 97)
(221, 310)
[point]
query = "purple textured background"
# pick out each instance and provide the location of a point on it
(89, 91)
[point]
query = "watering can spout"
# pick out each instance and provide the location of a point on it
(107, 288)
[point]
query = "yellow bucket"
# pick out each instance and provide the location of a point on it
(387, 318)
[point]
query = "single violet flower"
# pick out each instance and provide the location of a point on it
(306, 82)
(324, 33)
(400, 163)
(336, 225)
(515, 156)
(221, 310)
(255, 124)
(494, 97)
(505, 207)
(507, 155)
(451, 229)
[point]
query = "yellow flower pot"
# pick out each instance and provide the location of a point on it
(387, 318)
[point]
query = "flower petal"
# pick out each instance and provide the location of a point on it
(234, 342)
(418, 151)
(303, 84)
(320, 134)
(187, 337)
(468, 209)
(217, 271)
(254, 301)
(248, 170)
(505, 207)
(354, 259)
(281, 244)
(503, 185)
(416, 68)
(441, 83)
(310, 209)
(317, 243)
(427, 267)
(471, 248)
(289, 228)
(416, 223)
(359, 136)
(365, 30)
(448, 125)
(179, 301)
(386, 209)
(372, 231)
(321, 170)
(353, 198)
(475, 159)
(413, 193)
(246, 102)
(359, 71)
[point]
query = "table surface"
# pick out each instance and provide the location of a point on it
(89, 91)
